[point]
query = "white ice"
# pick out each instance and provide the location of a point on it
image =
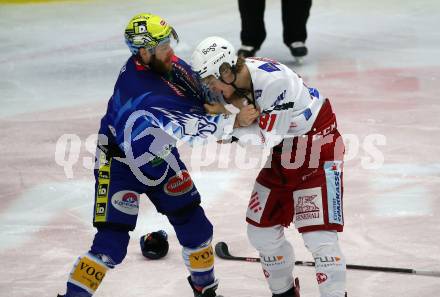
(379, 63)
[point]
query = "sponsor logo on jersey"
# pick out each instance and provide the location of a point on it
(327, 261)
(333, 174)
(266, 274)
(337, 200)
(326, 131)
(161, 156)
(306, 176)
(126, 202)
(272, 260)
(321, 277)
(254, 203)
(280, 98)
(284, 106)
(307, 113)
(103, 161)
(203, 259)
(88, 274)
(313, 92)
(100, 209)
(308, 207)
(102, 190)
(269, 67)
(104, 174)
(257, 203)
(179, 184)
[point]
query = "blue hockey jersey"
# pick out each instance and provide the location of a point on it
(149, 112)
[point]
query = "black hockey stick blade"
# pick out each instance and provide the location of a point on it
(222, 251)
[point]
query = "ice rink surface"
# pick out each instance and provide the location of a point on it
(379, 63)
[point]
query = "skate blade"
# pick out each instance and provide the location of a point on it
(298, 60)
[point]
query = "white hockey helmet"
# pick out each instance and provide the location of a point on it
(210, 54)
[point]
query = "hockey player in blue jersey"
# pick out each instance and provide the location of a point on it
(157, 100)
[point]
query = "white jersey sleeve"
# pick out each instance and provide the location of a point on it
(288, 108)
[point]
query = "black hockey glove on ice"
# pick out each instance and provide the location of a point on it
(154, 245)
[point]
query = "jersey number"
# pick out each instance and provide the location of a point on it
(267, 121)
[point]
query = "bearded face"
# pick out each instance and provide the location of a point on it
(160, 59)
(161, 66)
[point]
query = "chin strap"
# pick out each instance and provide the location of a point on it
(241, 91)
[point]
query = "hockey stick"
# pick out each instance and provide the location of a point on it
(222, 251)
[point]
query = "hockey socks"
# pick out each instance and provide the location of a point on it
(329, 262)
(276, 255)
(86, 276)
(200, 264)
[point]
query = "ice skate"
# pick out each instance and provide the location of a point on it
(246, 51)
(208, 291)
(298, 50)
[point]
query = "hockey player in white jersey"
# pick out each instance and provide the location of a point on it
(302, 180)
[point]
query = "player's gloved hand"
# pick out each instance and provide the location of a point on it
(154, 245)
(247, 115)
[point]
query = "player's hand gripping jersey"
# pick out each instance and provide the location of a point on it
(288, 107)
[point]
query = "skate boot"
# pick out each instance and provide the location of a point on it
(208, 291)
(293, 292)
(246, 51)
(298, 50)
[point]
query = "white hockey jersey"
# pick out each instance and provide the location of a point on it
(288, 107)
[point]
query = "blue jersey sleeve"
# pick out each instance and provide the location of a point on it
(193, 128)
(179, 123)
